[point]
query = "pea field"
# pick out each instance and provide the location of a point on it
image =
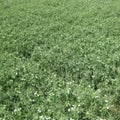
(59, 59)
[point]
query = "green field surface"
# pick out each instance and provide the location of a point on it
(59, 59)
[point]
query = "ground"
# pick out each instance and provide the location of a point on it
(59, 60)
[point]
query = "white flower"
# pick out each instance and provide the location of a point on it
(89, 86)
(69, 110)
(106, 101)
(17, 109)
(108, 107)
(100, 119)
(39, 110)
(72, 108)
(51, 94)
(35, 93)
(71, 119)
(42, 117)
(99, 90)
(96, 97)
(47, 118)
(87, 113)
(78, 98)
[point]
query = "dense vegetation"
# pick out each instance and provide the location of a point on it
(59, 59)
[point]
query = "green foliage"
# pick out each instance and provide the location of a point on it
(59, 60)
